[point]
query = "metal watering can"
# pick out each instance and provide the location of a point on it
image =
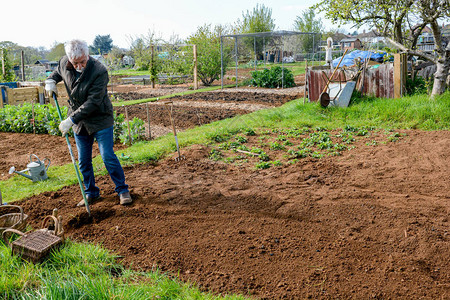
(36, 169)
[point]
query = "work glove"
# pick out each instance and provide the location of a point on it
(50, 87)
(65, 126)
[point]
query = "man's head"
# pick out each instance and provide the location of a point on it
(78, 53)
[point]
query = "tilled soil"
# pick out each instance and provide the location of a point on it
(203, 108)
(372, 223)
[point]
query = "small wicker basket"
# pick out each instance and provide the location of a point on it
(35, 246)
(16, 221)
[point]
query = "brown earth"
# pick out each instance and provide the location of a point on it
(370, 224)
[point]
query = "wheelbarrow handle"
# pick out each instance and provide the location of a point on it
(332, 75)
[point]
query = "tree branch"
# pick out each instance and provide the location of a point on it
(412, 52)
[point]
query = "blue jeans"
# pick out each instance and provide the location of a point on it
(105, 142)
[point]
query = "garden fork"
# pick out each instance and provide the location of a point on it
(180, 157)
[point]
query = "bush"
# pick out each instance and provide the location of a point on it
(416, 86)
(275, 77)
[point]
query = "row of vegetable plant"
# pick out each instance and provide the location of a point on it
(43, 119)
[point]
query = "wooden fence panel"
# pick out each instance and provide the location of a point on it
(22, 95)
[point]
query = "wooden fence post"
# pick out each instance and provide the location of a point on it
(400, 74)
(3, 64)
(152, 79)
(23, 65)
(195, 68)
(305, 90)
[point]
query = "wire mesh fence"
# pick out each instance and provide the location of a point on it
(241, 54)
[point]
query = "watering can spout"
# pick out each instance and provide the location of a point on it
(13, 170)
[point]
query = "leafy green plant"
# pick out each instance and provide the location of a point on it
(275, 77)
(305, 152)
(249, 132)
(228, 145)
(263, 165)
(137, 131)
(277, 163)
(215, 154)
(394, 137)
(316, 154)
(416, 86)
(218, 137)
(241, 139)
(346, 137)
(9, 75)
(276, 146)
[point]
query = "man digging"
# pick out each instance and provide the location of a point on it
(90, 115)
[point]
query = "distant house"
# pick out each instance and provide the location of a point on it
(350, 43)
(371, 38)
(425, 42)
(48, 65)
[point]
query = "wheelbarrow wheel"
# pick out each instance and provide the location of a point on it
(324, 99)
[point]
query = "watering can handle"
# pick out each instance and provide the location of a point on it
(38, 160)
(48, 164)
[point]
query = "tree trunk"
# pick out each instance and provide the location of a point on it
(440, 77)
(442, 61)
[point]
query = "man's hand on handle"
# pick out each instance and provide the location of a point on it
(50, 87)
(65, 126)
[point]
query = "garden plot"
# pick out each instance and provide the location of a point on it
(205, 107)
(368, 221)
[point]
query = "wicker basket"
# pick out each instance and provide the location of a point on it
(16, 221)
(35, 246)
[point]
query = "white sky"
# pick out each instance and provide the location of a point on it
(42, 23)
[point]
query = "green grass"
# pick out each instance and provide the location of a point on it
(416, 112)
(85, 271)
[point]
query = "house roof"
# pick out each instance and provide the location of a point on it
(42, 61)
(369, 34)
(346, 40)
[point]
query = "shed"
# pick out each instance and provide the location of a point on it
(350, 43)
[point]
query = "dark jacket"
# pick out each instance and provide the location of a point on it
(89, 104)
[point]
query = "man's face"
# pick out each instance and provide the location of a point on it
(79, 63)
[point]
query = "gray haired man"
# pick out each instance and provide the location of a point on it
(90, 115)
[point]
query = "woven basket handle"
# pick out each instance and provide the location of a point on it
(58, 227)
(13, 231)
(20, 209)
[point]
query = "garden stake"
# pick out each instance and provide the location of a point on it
(33, 116)
(148, 122)
(73, 158)
(128, 125)
(180, 157)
